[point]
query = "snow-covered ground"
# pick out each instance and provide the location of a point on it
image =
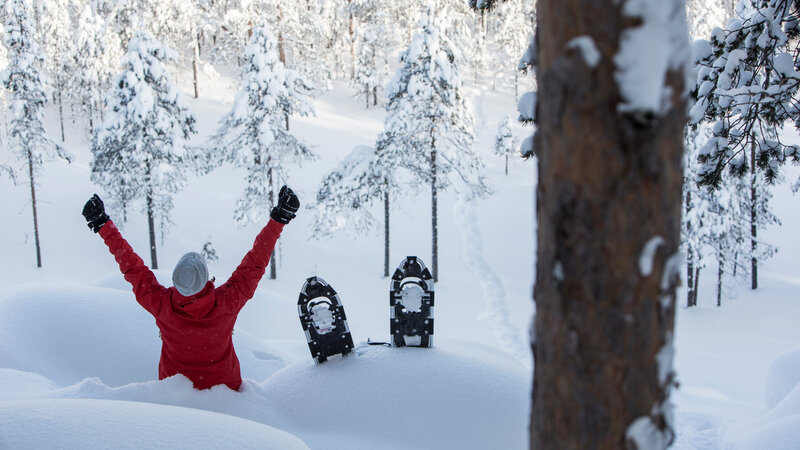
(78, 356)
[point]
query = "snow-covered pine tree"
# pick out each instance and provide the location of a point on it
(299, 28)
(372, 68)
(254, 135)
(141, 151)
(429, 129)
(96, 61)
(512, 34)
(23, 79)
(505, 143)
(177, 24)
(702, 16)
(747, 87)
(700, 207)
(347, 192)
(727, 232)
(55, 31)
(695, 225)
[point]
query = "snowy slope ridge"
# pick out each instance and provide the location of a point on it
(68, 332)
(81, 424)
(65, 347)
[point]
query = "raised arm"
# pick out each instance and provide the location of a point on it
(146, 289)
(242, 284)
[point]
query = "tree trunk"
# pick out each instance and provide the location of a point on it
(375, 96)
(696, 284)
(273, 270)
(689, 278)
(152, 230)
(753, 228)
(506, 163)
(195, 61)
(434, 217)
(609, 187)
(719, 282)
(61, 114)
(35, 213)
(386, 232)
(352, 47)
(281, 41)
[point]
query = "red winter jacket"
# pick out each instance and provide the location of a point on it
(196, 331)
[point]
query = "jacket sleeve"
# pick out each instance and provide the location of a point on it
(146, 289)
(242, 284)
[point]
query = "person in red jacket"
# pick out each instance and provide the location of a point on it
(195, 318)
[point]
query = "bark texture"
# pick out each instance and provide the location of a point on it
(609, 183)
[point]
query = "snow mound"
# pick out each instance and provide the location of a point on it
(80, 424)
(783, 376)
(67, 333)
(18, 385)
(456, 395)
(783, 433)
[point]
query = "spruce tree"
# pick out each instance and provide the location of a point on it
(747, 86)
(429, 128)
(23, 79)
(372, 67)
(505, 143)
(96, 60)
(254, 135)
(141, 151)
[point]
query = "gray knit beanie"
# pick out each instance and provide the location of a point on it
(190, 274)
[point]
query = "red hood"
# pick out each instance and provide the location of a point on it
(198, 305)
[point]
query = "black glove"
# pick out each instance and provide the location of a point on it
(95, 213)
(288, 205)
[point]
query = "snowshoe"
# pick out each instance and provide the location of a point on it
(411, 304)
(323, 320)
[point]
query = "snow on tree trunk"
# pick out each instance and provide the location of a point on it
(609, 139)
(386, 233)
(434, 217)
(151, 229)
(753, 219)
(273, 268)
(33, 208)
(195, 61)
(720, 272)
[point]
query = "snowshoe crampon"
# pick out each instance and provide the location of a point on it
(323, 319)
(411, 304)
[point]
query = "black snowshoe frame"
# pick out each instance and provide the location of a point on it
(332, 340)
(411, 327)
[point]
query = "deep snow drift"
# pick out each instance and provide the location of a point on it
(63, 345)
(78, 356)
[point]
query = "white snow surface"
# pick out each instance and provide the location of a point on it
(79, 357)
(783, 377)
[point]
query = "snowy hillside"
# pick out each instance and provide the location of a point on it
(78, 356)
